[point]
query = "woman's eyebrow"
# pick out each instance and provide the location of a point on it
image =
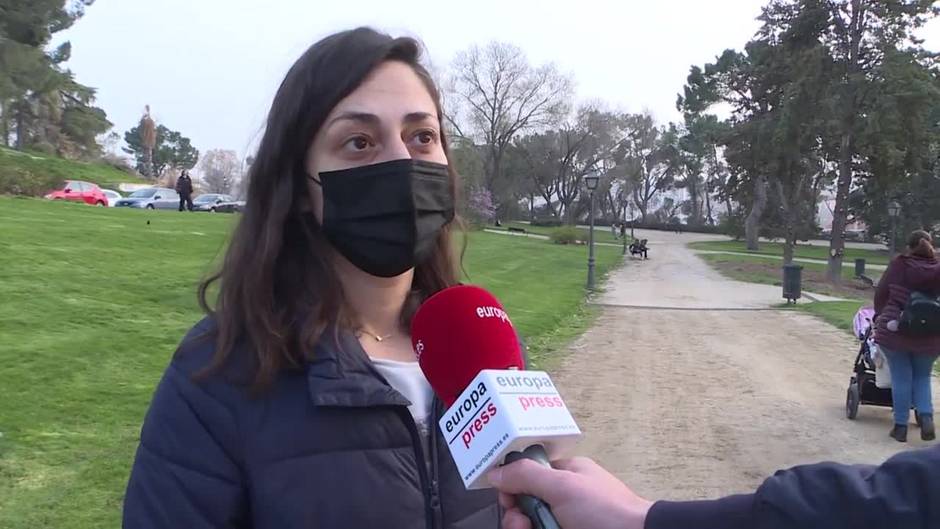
(417, 117)
(372, 119)
(362, 117)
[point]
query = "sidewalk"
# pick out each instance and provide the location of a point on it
(795, 259)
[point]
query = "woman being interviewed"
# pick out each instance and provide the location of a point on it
(298, 402)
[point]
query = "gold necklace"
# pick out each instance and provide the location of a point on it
(377, 337)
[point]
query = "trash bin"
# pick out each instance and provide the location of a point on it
(792, 282)
(859, 267)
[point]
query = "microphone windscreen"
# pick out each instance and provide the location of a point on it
(458, 332)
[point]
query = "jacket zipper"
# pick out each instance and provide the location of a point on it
(422, 467)
(437, 515)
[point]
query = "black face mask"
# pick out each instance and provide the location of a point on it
(385, 218)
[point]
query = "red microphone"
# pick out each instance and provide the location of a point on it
(459, 332)
(469, 351)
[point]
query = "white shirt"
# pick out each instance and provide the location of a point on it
(408, 379)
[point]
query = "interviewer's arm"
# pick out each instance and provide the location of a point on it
(904, 492)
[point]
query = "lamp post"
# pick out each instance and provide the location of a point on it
(590, 181)
(894, 211)
(623, 225)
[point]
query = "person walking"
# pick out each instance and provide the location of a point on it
(184, 186)
(910, 355)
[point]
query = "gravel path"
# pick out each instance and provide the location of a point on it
(693, 386)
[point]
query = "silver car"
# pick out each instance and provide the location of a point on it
(210, 202)
(151, 198)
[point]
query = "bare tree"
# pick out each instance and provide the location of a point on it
(558, 160)
(220, 170)
(649, 161)
(495, 94)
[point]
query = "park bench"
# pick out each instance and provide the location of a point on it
(639, 248)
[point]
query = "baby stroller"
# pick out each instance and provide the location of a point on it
(864, 384)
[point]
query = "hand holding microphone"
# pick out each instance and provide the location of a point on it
(469, 352)
(581, 493)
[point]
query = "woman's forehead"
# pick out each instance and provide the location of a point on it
(392, 91)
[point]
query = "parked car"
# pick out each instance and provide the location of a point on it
(113, 196)
(235, 206)
(78, 191)
(209, 202)
(151, 198)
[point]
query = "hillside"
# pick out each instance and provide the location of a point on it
(34, 174)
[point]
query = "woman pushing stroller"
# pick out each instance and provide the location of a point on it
(907, 331)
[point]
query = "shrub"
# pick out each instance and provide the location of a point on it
(547, 222)
(566, 235)
(18, 181)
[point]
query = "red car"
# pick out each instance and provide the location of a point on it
(78, 191)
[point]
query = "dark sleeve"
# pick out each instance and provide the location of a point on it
(184, 473)
(891, 276)
(904, 492)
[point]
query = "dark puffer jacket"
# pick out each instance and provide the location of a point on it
(332, 447)
(904, 275)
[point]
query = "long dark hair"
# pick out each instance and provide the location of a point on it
(278, 291)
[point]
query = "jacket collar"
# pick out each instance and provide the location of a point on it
(341, 375)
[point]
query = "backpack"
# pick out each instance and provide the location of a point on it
(920, 316)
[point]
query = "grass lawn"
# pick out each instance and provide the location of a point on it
(837, 313)
(601, 233)
(755, 269)
(803, 251)
(50, 166)
(94, 303)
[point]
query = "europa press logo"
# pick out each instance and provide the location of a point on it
(419, 348)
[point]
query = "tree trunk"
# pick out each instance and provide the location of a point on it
(840, 213)
(708, 207)
(752, 223)
(148, 162)
(20, 130)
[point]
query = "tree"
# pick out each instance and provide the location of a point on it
(858, 35)
(147, 129)
(221, 170)
(556, 161)
(901, 146)
(649, 160)
(495, 95)
(41, 104)
(171, 151)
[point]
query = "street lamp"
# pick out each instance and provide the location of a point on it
(894, 211)
(591, 180)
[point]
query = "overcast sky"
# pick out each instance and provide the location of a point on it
(209, 68)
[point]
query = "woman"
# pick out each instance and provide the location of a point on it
(910, 358)
(298, 402)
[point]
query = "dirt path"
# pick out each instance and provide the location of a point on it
(690, 401)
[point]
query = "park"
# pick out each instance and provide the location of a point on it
(646, 258)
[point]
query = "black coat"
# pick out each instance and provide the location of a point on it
(184, 185)
(902, 493)
(332, 446)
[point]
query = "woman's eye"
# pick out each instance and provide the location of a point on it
(358, 143)
(425, 137)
